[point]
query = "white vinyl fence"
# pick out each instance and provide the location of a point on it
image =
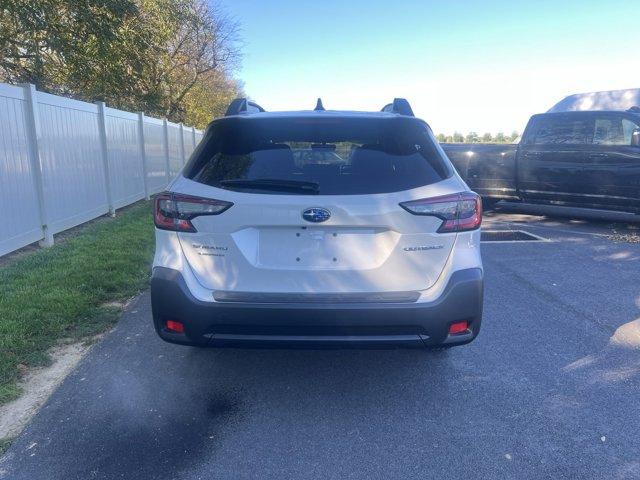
(64, 162)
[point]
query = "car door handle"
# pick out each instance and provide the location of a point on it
(532, 154)
(598, 155)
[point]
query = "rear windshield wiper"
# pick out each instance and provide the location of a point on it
(272, 184)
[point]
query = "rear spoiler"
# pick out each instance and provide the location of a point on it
(400, 106)
(242, 105)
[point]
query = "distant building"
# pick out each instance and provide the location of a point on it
(608, 100)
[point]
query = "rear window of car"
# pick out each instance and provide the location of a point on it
(325, 156)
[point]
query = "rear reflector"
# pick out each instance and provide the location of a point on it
(459, 327)
(459, 212)
(174, 326)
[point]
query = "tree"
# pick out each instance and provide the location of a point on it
(472, 137)
(203, 49)
(151, 55)
(457, 137)
(45, 42)
(441, 138)
(209, 98)
(500, 138)
(487, 138)
(514, 135)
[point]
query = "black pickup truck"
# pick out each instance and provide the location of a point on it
(578, 158)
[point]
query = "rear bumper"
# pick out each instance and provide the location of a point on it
(329, 325)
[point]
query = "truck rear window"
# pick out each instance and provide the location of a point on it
(324, 156)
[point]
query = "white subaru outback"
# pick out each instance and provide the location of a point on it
(318, 228)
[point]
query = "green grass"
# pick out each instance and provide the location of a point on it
(60, 292)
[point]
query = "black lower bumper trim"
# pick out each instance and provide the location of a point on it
(332, 325)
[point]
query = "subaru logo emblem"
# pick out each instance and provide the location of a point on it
(316, 215)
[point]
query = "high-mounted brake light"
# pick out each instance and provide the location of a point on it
(459, 211)
(175, 212)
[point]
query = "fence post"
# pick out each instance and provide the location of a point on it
(102, 127)
(184, 160)
(165, 125)
(34, 135)
(143, 156)
(193, 137)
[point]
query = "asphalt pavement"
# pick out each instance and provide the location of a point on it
(550, 389)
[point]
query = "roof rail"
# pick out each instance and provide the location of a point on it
(399, 106)
(242, 105)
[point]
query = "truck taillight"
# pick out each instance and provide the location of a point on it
(174, 211)
(459, 211)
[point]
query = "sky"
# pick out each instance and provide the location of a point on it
(483, 66)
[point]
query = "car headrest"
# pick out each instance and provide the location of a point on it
(271, 160)
(371, 159)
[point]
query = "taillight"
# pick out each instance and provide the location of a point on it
(174, 211)
(459, 211)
